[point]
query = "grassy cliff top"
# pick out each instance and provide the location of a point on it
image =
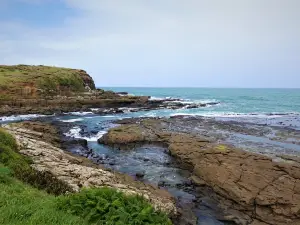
(33, 80)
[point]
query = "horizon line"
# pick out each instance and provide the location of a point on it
(199, 87)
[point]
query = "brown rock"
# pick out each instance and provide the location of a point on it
(266, 192)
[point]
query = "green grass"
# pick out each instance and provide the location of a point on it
(21, 204)
(21, 79)
(28, 197)
(20, 167)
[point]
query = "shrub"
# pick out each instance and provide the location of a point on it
(110, 207)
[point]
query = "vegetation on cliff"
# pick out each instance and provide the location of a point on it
(33, 81)
(29, 202)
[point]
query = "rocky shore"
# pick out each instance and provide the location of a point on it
(48, 90)
(40, 142)
(251, 188)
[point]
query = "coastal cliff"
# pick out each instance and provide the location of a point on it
(28, 89)
(36, 81)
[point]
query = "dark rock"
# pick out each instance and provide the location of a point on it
(94, 132)
(112, 163)
(161, 183)
(140, 174)
(122, 93)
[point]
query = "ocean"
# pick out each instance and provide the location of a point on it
(232, 100)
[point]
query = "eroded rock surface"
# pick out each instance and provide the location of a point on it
(79, 172)
(263, 191)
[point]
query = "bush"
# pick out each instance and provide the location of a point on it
(110, 207)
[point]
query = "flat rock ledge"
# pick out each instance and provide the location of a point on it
(261, 190)
(77, 174)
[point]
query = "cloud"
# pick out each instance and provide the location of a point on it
(164, 43)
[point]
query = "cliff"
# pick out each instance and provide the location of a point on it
(28, 89)
(35, 81)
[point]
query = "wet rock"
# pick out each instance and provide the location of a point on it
(140, 174)
(161, 183)
(94, 132)
(122, 93)
(112, 163)
(187, 216)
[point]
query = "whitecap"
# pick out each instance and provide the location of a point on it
(153, 98)
(95, 137)
(71, 120)
(74, 132)
(230, 115)
(80, 113)
(21, 117)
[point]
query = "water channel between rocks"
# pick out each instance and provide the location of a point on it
(151, 164)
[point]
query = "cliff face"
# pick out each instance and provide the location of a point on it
(34, 81)
(87, 79)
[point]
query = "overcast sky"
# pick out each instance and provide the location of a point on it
(199, 43)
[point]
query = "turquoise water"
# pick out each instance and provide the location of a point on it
(232, 101)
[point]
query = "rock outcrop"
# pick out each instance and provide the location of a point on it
(79, 172)
(261, 190)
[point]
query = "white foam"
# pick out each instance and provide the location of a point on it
(71, 120)
(228, 115)
(75, 133)
(21, 117)
(153, 98)
(96, 137)
(80, 113)
(149, 114)
(109, 116)
(95, 109)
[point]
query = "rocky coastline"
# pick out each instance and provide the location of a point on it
(244, 183)
(251, 188)
(78, 172)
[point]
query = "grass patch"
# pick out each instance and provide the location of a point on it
(21, 204)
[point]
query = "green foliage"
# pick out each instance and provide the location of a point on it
(20, 166)
(20, 204)
(110, 207)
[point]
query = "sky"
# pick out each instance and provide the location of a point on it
(158, 43)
